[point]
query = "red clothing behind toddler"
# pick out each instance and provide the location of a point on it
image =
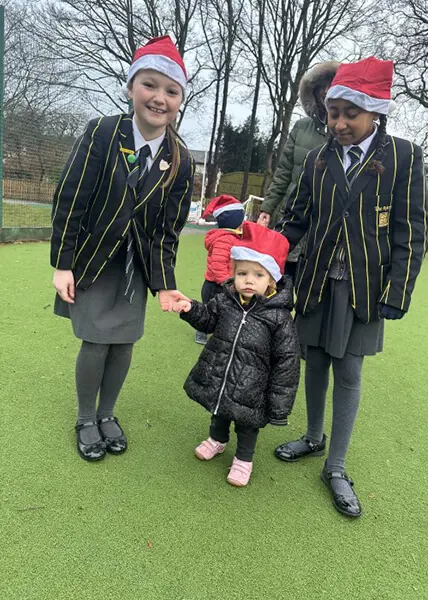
(219, 242)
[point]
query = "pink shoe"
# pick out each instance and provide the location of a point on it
(209, 448)
(240, 472)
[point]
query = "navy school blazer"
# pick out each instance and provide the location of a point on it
(382, 218)
(94, 207)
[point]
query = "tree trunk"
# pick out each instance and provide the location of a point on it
(254, 109)
(212, 173)
(288, 111)
(269, 154)
(212, 177)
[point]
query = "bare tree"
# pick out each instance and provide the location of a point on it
(19, 54)
(405, 35)
(255, 33)
(295, 32)
(220, 20)
(96, 40)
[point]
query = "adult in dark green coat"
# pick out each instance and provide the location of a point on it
(308, 133)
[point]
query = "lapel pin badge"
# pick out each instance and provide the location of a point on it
(163, 165)
(130, 154)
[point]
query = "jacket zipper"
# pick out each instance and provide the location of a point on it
(223, 385)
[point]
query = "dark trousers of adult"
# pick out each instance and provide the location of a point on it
(209, 290)
(346, 398)
(246, 436)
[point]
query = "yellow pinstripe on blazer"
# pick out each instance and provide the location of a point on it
(383, 219)
(94, 207)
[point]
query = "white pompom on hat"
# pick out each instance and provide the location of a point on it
(160, 54)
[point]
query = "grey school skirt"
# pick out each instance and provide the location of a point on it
(334, 327)
(101, 314)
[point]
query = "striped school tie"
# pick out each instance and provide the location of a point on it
(134, 180)
(354, 154)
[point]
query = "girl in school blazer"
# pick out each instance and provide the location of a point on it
(118, 211)
(361, 200)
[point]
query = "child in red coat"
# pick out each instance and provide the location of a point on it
(229, 214)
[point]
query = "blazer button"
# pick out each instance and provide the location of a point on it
(346, 214)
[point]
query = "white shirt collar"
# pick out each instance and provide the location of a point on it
(139, 141)
(364, 145)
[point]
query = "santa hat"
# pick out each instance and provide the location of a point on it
(160, 54)
(366, 83)
(264, 246)
(221, 204)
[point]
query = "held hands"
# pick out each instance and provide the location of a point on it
(264, 219)
(168, 300)
(182, 306)
(64, 284)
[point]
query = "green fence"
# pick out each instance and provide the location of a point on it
(231, 183)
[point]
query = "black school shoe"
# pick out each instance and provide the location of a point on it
(114, 445)
(347, 504)
(90, 452)
(284, 452)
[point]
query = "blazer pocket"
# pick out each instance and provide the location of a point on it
(300, 270)
(384, 272)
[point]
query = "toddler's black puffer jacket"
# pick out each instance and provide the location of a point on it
(249, 370)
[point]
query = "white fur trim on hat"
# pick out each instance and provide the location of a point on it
(269, 263)
(228, 207)
(159, 63)
(376, 105)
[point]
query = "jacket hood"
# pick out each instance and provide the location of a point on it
(215, 234)
(320, 75)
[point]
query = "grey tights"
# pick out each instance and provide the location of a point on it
(346, 399)
(100, 369)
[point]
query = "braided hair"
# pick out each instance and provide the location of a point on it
(375, 165)
(320, 162)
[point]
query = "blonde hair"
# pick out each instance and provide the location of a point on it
(271, 288)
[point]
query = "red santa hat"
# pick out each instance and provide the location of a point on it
(264, 246)
(366, 83)
(222, 204)
(160, 54)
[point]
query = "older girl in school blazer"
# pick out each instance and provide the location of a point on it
(361, 200)
(119, 207)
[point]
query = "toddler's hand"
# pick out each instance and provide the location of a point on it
(168, 298)
(182, 306)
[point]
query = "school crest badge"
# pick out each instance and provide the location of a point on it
(383, 219)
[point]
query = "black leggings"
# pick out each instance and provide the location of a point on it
(247, 437)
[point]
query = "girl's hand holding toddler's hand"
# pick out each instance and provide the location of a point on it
(182, 306)
(169, 298)
(64, 284)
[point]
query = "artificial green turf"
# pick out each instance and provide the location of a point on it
(26, 215)
(158, 524)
